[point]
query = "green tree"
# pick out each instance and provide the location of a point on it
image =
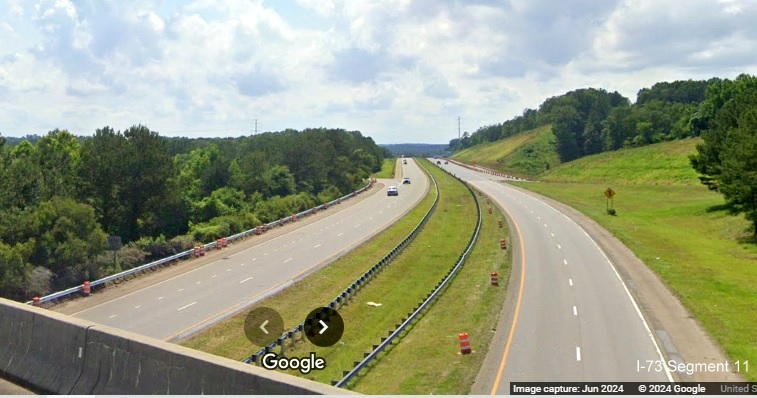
(102, 174)
(68, 237)
(58, 155)
(15, 269)
(728, 156)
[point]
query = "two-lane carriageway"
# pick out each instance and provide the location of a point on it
(572, 317)
(183, 304)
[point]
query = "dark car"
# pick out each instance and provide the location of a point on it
(406, 180)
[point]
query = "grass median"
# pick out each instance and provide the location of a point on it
(401, 286)
(387, 169)
(704, 255)
(427, 360)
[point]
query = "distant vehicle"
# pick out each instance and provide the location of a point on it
(406, 180)
(438, 162)
(392, 191)
(404, 161)
(446, 162)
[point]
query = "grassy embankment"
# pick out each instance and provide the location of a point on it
(387, 169)
(527, 154)
(678, 228)
(399, 288)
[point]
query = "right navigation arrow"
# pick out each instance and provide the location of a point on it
(324, 327)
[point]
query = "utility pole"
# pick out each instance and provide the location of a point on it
(458, 128)
(255, 132)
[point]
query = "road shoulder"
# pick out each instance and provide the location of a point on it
(679, 335)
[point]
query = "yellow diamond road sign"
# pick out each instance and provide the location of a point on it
(609, 193)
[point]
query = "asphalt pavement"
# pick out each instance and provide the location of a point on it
(574, 318)
(183, 304)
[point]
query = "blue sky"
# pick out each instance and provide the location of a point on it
(397, 70)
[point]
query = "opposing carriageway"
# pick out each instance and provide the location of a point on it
(179, 306)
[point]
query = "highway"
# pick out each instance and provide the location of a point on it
(571, 317)
(178, 306)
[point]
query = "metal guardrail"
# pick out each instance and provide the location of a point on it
(385, 342)
(350, 292)
(187, 253)
(485, 170)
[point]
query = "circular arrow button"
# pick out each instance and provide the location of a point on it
(263, 325)
(324, 326)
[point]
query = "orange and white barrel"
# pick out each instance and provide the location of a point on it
(464, 343)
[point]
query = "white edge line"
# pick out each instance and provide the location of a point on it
(623, 283)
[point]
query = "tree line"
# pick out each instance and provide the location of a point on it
(722, 112)
(61, 195)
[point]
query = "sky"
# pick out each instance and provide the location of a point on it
(399, 71)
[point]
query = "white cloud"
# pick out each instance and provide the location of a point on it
(398, 70)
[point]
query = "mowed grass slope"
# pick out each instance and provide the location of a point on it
(387, 169)
(664, 163)
(525, 154)
(679, 229)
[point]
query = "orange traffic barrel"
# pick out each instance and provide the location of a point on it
(202, 251)
(219, 244)
(490, 210)
(487, 201)
(258, 230)
(503, 244)
(501, 223)
(85, 288)
(224, 242)
(294, 217)
(495, 278)
(36, 302)
(464, 343)
(197, 251)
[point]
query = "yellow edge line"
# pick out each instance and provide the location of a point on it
(517, 305)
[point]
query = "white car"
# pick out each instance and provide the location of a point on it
(392, 191)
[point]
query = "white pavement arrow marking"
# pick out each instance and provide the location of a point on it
(262, 327)
(324, 327)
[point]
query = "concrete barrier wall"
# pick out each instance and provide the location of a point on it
(58, 354)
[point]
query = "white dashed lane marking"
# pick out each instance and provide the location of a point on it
(288, 260)
(137, 307)
(112, 316)
(570, 281)
(187, 306)
(578, 354)
(575, 311)
(245, 280)
(565, 262)
(316, 246)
